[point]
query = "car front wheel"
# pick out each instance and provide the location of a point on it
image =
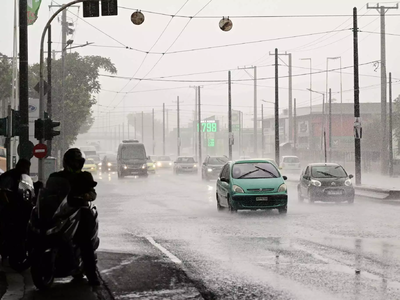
(219, 206)
(282, 210)
(232, 210)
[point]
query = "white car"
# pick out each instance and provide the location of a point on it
(290, 164)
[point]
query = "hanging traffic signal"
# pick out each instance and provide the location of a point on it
(49, 132)
(3, 126)
(39, 124)
(109, 7)
(91, 9)
(16, 123)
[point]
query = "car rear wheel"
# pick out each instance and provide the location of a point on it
(311, 199)
(299, 195)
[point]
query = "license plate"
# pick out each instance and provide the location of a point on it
(334, 192)
(261, 198)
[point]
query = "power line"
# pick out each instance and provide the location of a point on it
(225, 80)
(248, 17)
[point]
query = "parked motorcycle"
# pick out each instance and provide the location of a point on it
(52, 227)
(15, 210)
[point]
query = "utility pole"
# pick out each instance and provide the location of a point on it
(23, 80)
(142, 128)
(154, 142)
(390, 127)
(295, 125)
(63, 52)
(262, 130)
(255, 106)
(230, 139)
(277, 156)
(255, 111)
(310, 127)
(290, 100)
(195, 122)
(178, 139)
(163, 128)
(199, 112)
(330, 125)
(384, 141)
(49, 107)
(357, 120)
(134, 120)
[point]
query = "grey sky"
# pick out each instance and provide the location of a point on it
(204, 32)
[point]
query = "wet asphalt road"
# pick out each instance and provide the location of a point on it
(162, 238)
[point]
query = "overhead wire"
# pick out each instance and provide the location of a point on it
(246, 17)
(157, 62)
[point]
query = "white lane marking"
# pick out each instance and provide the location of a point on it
(15, 287)
(172, 257)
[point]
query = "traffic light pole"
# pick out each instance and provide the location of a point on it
(23, 80)
(24, 64)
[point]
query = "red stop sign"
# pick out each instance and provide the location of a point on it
(40, 150)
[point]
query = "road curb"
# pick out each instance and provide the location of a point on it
(3, 284)
(103, 292)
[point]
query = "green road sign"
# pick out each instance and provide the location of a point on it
(211, 142)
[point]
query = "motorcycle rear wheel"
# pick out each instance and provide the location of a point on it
(42, 269)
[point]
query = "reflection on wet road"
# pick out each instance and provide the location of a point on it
(317, 251)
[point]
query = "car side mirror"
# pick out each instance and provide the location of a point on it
(351, 176)
(284, 177)
(223, 179)
(306, 177)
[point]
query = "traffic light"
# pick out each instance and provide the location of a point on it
(3, 126)
(49, 124)
(91, 9)
(39, 124)
(16, 123)
(109, 7)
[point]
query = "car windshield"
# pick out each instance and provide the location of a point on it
(254, 170)
(328, 172)
(185, 160)
(164, 158)
(133, 152)
(89, 161)
(291, 160)
(217, 160)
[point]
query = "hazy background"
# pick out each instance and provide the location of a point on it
(120, 96)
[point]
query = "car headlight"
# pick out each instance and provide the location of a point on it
(125, 167)
(348, 182)
(282, 188)
(194, 166)
(209, 170)
(144, 166)
(315, 182)
(99, 164)
(237, 189)
(170, 163)
(109, 164)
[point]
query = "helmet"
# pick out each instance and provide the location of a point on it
(73, 160)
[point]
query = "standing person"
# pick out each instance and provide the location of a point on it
(14, 212)
(82, 191)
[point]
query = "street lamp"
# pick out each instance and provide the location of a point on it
(323, 120)
(341, 88)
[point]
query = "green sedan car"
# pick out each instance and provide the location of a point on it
(251, 184)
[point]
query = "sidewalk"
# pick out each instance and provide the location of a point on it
(380, 181)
